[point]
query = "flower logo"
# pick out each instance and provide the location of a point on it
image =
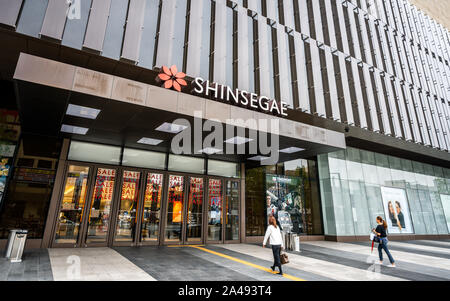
(172, 78)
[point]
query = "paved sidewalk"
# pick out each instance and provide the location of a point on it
(317, 261)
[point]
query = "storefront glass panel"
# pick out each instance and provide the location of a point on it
(72, 205)
(405, 193)
(129, 203)
(152, 207)
(175, 205)
(195, 205)
(100, 210)
(232, 211)
(215, 201)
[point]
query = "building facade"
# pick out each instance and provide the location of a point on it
(94, 92)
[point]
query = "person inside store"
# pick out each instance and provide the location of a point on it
(273, 234)
(381, 232)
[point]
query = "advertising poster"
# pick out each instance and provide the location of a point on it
(284, 201)
(396, 210)
(445, 199)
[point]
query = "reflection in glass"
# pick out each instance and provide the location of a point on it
(215, 210)
(195, 204)
(99, 213)
(232, 211)
(72, 206)
(152, 207)
(175, 202)
(126, 219)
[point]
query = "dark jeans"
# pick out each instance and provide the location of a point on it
(276, 256)
(383, 246)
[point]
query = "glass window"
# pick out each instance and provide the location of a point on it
(175, 208)
(152, 207)
(223, 169)
(194, 214)
(215, 207)
(129, 203)
(95, 153)
(143, 159)
(100, 208)
(186, 164)
(72, 205)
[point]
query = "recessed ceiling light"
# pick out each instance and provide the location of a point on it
(171, 128)
(238, 140)
(74, 129)
(259, 158)
(210, 151)
(84, 112)
(150, 141)
(291, 150)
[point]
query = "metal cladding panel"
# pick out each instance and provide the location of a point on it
(353, 31)
(359, 96)
(243, 50)
(55, 19)
(284, 66)
(304, 18)
(193, 66)
(332, 85)
(420, 116)
(265, 50)
(317, 21)
(330, 21)
(302, 81)
(272, 10)
(220, 39)
(347, 96)
(166, 34)
(9, 11)
(96, 27)
(288, 12)
(133, 31)
(342, 26)
(318, 85)
(371, 100)
(382, 103)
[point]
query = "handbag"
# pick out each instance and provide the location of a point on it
(284, 258)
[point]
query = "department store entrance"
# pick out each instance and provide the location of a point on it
(104, 205)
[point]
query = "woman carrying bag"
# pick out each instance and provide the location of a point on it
(276, 241)
(381, 239)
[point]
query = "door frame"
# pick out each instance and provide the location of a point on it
(82, 231)
(115, 204)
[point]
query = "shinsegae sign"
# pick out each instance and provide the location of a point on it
(238, 97)
(171, 78)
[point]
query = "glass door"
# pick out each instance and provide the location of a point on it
(175, 208)
(70, 215)
(194, 220)
(232, 204)
(215, 210)
(99, 214)
(151, 216)
(126, 219)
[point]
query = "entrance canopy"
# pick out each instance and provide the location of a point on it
(57, 99)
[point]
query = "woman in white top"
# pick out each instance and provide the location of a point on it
(276, 241)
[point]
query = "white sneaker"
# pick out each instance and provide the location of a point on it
(381, 262)
(392, 266)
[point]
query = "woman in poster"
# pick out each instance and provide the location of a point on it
(392, 215)
(400, 216)
(381, 232)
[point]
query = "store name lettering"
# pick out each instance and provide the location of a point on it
(239, 97)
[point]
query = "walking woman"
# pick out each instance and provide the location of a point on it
(380, 231)
(276, 241)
